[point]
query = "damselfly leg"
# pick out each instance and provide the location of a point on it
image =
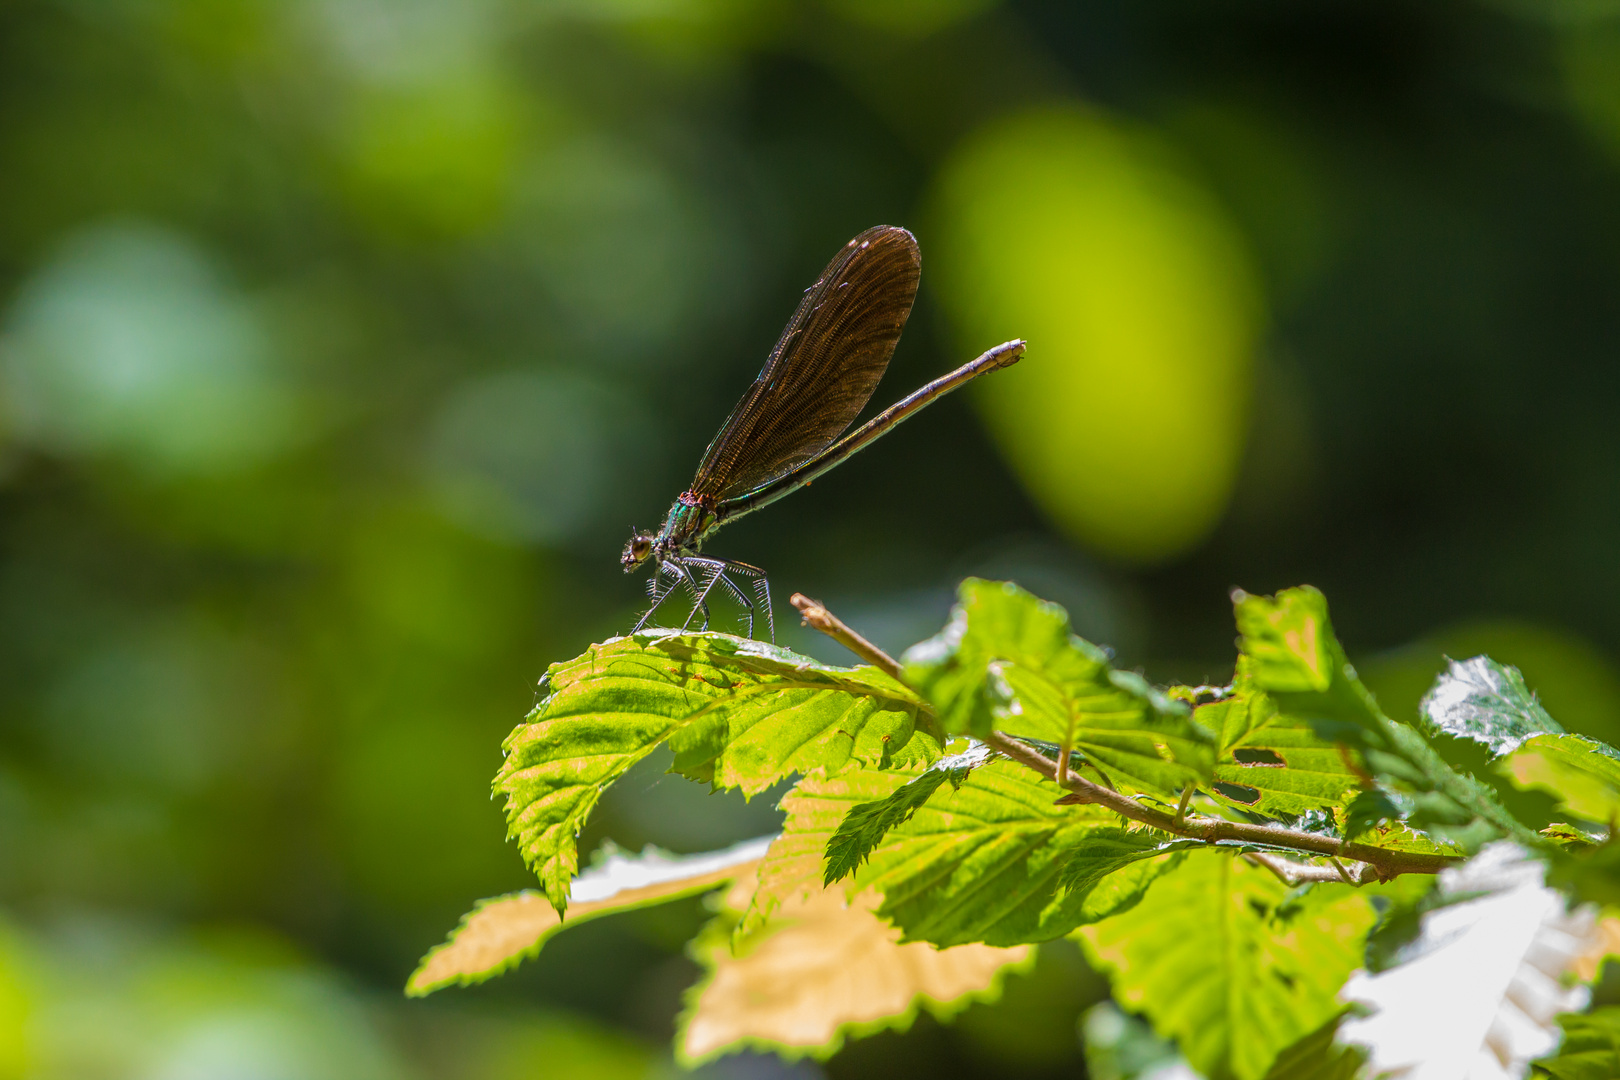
(657, 592)
(700, 575)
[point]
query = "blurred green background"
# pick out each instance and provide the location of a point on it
(343, 341)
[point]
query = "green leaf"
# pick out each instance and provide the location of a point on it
(1007, 661)
(816, 807)
(1318, 1057)
(1294, 657)
(991, 621)
(1582, 772)
(1487, 702)
(865, 826)
(1591, 1047)
(737, 713)
(995, 861)
(502, 932)
(1218, 958)
(1404, 902)
(1270, 762)
(1587, 874)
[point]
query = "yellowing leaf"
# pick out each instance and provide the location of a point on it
(502, 932)
(823, 970)
(1604, 943)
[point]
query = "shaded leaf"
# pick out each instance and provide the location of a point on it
(737, 713)
(1587, 874)
(1218, 959)
(822, 971)
(1318, 1057)
(500, 933)
(1590, 1050)
(1535, 808)
(1404, 903)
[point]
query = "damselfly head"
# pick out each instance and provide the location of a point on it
(637, 551)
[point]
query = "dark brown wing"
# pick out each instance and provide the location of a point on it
(823, 370)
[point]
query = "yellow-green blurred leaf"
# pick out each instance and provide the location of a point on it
(1139, 301)
(504, 931)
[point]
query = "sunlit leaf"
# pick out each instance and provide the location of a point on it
(1583, 773)
(1294, 657)
(865, 825)
(737, 713)
(794, 867)
(1318, 1057)
(1008, 661)
(502, 932)
(1220, 959)
(823, 970)
(1271, 762)
(994, 860)
(1488, 702)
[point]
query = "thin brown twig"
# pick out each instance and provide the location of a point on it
(1292, 873)
(1380, 864)
(1385, 864)
(817, 616)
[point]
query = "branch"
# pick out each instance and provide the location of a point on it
(817, 616)
(1385, 864)
(1380, 864)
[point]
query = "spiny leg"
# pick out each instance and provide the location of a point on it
(698, 595)
(719, 567)
(762, 585)
(741, 598)
(701, 600)
(656, 595)
(762, 589)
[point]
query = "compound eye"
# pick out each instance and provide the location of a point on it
(637, 551)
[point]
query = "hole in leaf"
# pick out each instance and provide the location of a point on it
(1259, 757)
(1239, 793)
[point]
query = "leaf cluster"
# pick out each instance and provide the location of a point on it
(1219, 851)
